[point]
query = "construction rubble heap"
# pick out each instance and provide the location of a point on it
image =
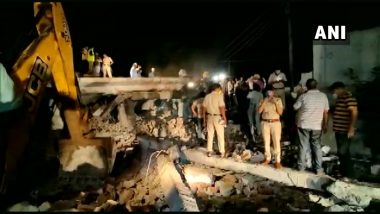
(165, 168)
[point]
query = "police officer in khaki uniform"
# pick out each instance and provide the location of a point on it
(271, 109)
(214, 116)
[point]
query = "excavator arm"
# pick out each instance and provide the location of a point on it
(49, 58)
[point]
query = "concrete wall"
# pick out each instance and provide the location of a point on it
(362, 54)
(331, 63)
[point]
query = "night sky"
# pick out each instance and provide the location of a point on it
(191, 34)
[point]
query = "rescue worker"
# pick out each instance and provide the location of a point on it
(152, 72)
(139, 71)
(197, 110)
(214, 118)
(97, 65)
(91, 60)
(84, 65)
(255, 97)
(271, 109)
(133, 71)
(107, 62)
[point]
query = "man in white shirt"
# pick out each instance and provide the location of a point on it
(312, 117)
(133, 72)
(277, 80)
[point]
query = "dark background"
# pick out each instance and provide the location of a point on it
(194, 35)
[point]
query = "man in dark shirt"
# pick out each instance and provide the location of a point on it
(344, 119)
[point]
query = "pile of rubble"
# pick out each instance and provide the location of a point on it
(218, 190)
(160, 128)
(130, 192)
(158, 119)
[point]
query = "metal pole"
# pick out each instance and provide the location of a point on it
(290, 41)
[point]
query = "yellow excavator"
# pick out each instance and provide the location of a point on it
(47, 60)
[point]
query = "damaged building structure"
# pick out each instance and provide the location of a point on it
(146, 156)
(151, 160)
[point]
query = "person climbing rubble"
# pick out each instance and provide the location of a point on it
(107, 62)
(197, 110)
(271, 109)
(312, 118)
(214, 117)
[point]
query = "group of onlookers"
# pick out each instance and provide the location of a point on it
(265, 109)
(96, 64)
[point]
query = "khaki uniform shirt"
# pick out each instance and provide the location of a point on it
(107, 61)
(269, 110)
(213, 101)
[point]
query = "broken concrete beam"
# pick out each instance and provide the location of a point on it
(286, 176)
(122, 85)
(119, 99)
(178, 196)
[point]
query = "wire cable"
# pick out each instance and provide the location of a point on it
(252, 40)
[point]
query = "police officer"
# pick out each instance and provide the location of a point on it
(214, 116)
(107, 62)
(271, 109)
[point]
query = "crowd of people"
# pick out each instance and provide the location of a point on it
(264, 113)
(260, 108)
(95, 65)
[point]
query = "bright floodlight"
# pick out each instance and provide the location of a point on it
(222, 76)
(191, 85)
(215, 78)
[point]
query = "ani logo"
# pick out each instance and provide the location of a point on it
(330, 33)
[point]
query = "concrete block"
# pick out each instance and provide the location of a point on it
(286, 176)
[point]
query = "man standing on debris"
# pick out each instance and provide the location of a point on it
(344, 120)
(91, 60)
(271, 109)
(255, 97)
(277, 80)
(197, 110)
(133, 72)
(107, 62)
(312, 118)
(97, 65)
(214, 117)
(152, 73)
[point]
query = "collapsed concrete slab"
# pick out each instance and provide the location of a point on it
(93, 85)
(286, 176)
(179, 197)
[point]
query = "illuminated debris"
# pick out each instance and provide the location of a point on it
(198, 175)
(352, 194)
